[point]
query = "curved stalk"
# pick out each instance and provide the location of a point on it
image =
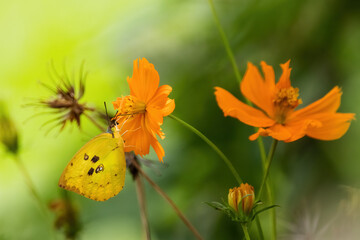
(141, 197)
(260, 142)
(34, 193)
(225, 42)
(168, 199)
(267, 168)
(212, 145)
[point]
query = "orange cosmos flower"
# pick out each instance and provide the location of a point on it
(277, 116)
(140, 114)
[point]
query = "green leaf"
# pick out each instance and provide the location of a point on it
(217, 206)
(263, 210)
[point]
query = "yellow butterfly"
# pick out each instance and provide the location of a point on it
(97, 171)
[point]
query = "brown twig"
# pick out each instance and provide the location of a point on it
(130, 158)
(143, 213)
(167, 198)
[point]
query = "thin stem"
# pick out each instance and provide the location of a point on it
(262, 149)
(268, 191)
(141, 197)
(273, 220)
(167, 198)
(212, 145)
(94, 122)
(246, 233)
(268, 164)
(225, 41)
(258, 225)
(238, 77)
(34, 193)
(130, 158)
(31, 186)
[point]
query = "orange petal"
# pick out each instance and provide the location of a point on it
(169, 107)
(284, 81)
(231, 106)
(334, 126)
(327, 104)
(134, 134)
(269, 76)
(144, 81)
(254, 88)
(276, 131)
(117, 103)
(255, 136)
(160, 97)
(298, 129)
(153, 120)
(161, 100)
(158, 149)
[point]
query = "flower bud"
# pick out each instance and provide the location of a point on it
(8, 133)
(243, 195)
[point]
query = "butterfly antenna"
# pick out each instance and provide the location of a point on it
(107, 116)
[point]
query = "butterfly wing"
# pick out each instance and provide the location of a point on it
(97, 171)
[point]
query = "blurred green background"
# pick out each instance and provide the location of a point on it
(322, 39)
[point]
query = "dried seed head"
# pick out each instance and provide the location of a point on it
(65, 101)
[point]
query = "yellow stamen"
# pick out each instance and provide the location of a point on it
(130, 105)
(286, 99)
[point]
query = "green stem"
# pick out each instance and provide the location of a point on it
(273, 220)
(212, 145)
(268, 191)
(246, 233)
(262, 149)
(31, 186)
(34, 193)
(258, 225)
(267, 168)
(225, 41)
(238, 77)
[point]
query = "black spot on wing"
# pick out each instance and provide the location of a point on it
(95, 159)
(86, 157)
(100, 168)
(91, 171)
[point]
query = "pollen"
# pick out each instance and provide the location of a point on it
(286, 99)
(130, 105)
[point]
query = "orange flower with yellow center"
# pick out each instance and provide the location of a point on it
(244, 195)
(140, 114)
(276, 116)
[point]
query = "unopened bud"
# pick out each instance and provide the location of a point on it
(242, 197)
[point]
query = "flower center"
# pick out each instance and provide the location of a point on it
(130, 105)
(286, 99)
